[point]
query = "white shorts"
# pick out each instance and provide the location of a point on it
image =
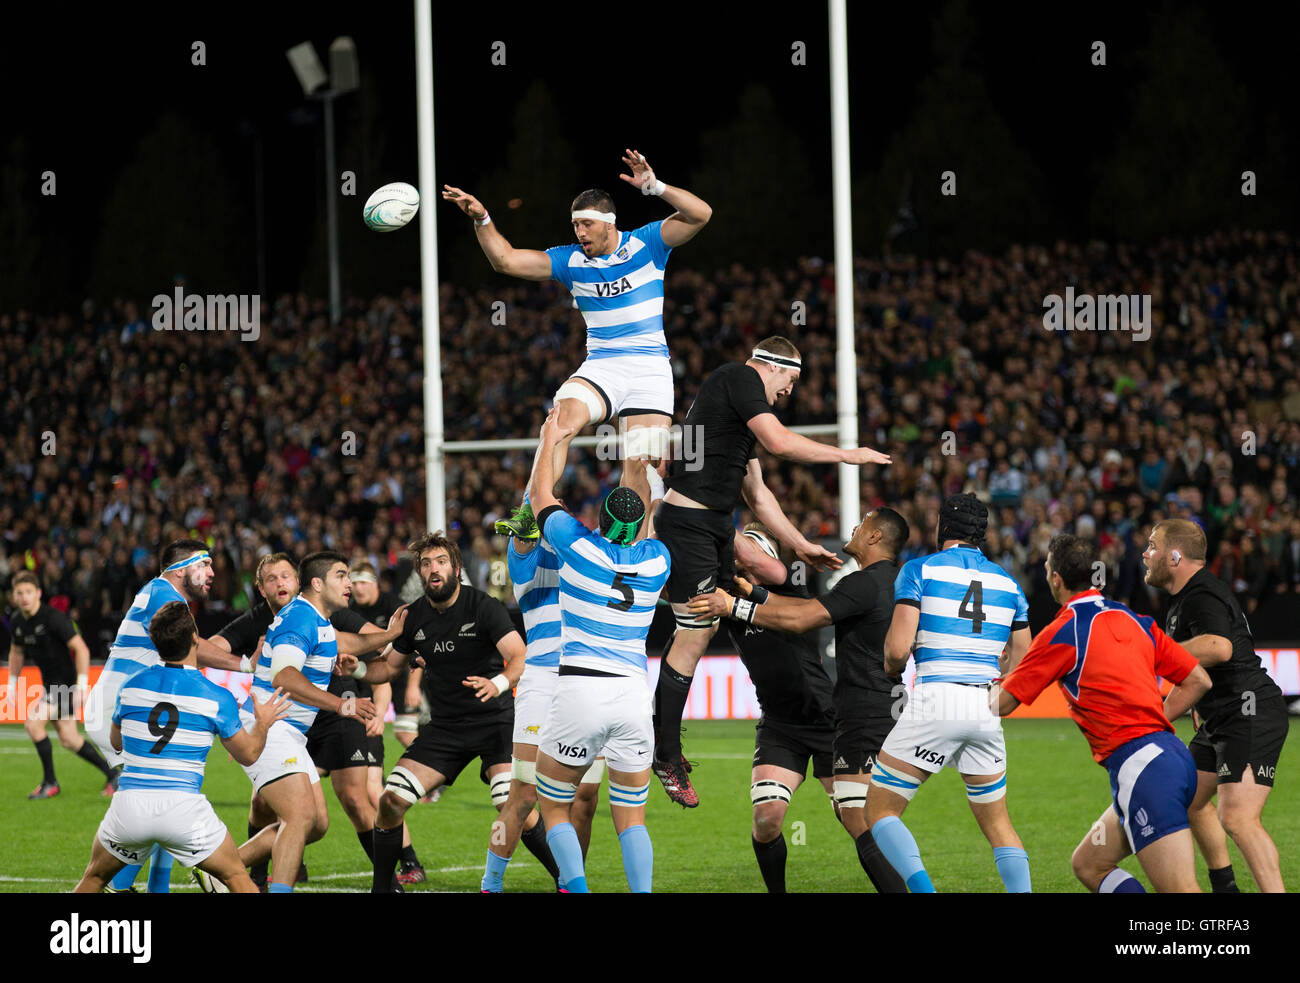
(948, 725)
(101, 701)
(285, 754)
(182, 823)
(533, 702)
(589, 713)
(630, 384)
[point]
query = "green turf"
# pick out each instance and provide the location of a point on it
(1055, 793)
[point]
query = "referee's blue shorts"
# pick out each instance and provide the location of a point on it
(1152, 784)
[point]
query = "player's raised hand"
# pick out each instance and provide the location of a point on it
(358, 708)
(642, 176)
(465, 201)
(818, 558)
(483, 688)
(398, 620)
(276, 707)
(866, 455)
(345, 664)
(552, 432)
(716, 604)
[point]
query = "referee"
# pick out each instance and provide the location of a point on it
(731, 415)
(1244, 715)
(50, 638)
(866, 700)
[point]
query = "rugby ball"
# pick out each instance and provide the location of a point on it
(391, 207)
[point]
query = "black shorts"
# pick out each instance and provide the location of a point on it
(448, 747)
(59, 698)
(701, 545)
(1226, 745)
(788, 745)
(861, 726)
(342, 743)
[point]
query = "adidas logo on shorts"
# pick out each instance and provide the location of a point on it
(1224, 769)
(840, 763)
(358, 756)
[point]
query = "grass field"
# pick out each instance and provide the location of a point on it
(1055, 793)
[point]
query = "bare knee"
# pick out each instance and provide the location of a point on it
(1088, 867)
(71, 741)
(1237, 820)
(392, 807)
(767, 822)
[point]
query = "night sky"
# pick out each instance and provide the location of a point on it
(81, 103)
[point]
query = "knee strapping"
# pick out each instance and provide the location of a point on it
(592, 400)
(499, 788)
(769, 790)
(524, 771)
(406, 723)
(556, 790)
(628, 796)
(405, 786)
(987, 791)
(650, 442)
(850, 795)
(895, 781)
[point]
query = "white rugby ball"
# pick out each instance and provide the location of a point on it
(391, 207)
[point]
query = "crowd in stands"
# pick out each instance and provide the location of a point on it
(120, 437)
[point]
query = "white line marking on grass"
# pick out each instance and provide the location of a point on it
(722, 757)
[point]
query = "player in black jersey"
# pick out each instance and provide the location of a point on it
(1243, 716)
(867, 701)
(473, 657)
(731, 415)
(49, 638)
(333, 741)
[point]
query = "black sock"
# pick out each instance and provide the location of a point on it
(1223, 881)
(47, 760)
(387, 847)
(367, 839)
(771, 863)
(535, 840)
(258, 872)
(88, 752)
(409, 857)
(670, 703)
(884, 877)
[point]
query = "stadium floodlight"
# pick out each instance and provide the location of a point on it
(344, 77)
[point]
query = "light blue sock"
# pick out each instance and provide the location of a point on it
(525, 496)
(1013, 868)
(125, 877)
(160, 871)
(899, 847)
(494, 873)
(563, 841)
(274, 887)
(638, 858)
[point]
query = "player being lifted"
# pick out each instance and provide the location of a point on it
(50, 639)
(963, 612)
(617, 282)
(609, 586)
(731, 416)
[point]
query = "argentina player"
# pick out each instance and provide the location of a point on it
(609, 585)
(617, 282)
(163, 723)
(963, 612)
(186, 576)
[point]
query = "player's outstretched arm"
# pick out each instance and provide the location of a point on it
(1209, 650)
(901, 636)
(527, 264)
(692, 213)
(15, 670)
(372, 638)
(541, 488)
(302, 689)
(1016, 648)
(246, 746)
(762, 568)
(212, 656)
(780, 440)
(768, 511)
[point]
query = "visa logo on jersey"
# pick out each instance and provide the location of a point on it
(613, 289)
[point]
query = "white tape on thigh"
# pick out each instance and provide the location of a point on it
(499, 788)
(651, 442)
(987, 791)
(595, 773)
(684, 618)
(524, 771)
(406, 723)
(898, 782)
(850, 795)
(405, 786)
(556, 790)
(769, 790)
(593, 401)
(628, 796)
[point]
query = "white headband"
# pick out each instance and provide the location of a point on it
(785, 361)
(362, 577)
(592, 213)
(189, 562)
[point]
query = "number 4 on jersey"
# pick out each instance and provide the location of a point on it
(972, 606)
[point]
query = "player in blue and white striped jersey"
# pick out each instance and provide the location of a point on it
(298, 655)
(163, 723)
(969, 623)
(617, 282)
(609, 586)
(186, 576)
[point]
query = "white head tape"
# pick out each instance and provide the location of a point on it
(785, 361)
(362, 577)
(762, 542)
(593, 214)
